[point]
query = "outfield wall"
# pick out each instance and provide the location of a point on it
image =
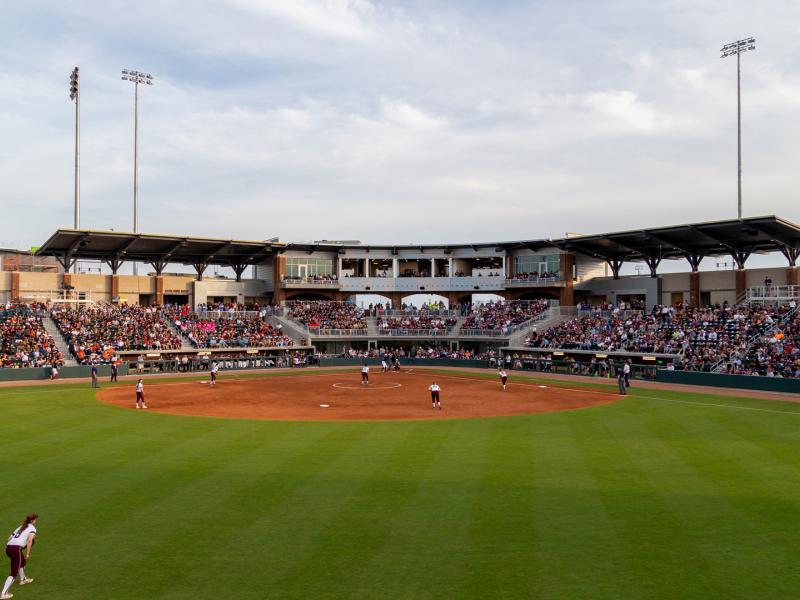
(743, 382)
(405, 362)
(63, 373)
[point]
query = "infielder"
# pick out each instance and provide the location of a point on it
(435, 401)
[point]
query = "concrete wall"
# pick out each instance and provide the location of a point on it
(588, 268)
(611, 288)
(241, 290)
(38, 286)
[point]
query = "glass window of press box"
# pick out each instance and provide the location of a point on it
(308, 267)
(541, 264)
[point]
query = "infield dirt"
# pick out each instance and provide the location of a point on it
(388, 396)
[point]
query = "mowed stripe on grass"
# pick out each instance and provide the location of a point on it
(639, 499)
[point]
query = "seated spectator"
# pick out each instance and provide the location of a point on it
(327, 314)
(228, 331)
(24, 343)
(96, 332)
(503, 316)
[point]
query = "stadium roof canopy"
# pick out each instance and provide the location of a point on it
(114, 248)
(738, 238)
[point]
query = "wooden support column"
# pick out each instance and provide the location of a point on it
(15, 286)
(694, 288)
(741, 283)
(278, 271)
(160, 290)
(791, 275)
(114, 287)
(397, 299)
(566, 264)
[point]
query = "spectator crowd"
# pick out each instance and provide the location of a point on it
(753, 339)
(327, 314)
(230, 331)
(96, 332)
(23, 339)
(503, 316)
(404, 323)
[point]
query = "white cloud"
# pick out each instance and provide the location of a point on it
(342, 19)
(325, 119)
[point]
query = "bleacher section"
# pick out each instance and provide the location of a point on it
(229, 329)
(701, 337)
(96, 332)
(23, 339)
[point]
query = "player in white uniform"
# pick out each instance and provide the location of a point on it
(18, 550)
(384, 365)
(435, 401)
(503, 377)
(214, 371)
(140, 395)
(365, 375)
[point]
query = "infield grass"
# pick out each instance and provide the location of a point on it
(661, 495)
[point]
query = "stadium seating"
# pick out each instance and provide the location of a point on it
(224, 332)
(420, 321)
(701, 336)
(502, 316)
(328, 314)
(774, 354)
(95, 332)
(23, 339)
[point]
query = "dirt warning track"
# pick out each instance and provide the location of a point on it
(341, 396)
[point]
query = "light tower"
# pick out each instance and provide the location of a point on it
(75, 94)
(136, 77)
(738, 48)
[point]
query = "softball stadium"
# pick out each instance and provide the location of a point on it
(645, 444)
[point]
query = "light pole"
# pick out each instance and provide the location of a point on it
(136, 77)
(738, 48)
(75, 94)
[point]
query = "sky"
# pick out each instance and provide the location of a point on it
(396, 122)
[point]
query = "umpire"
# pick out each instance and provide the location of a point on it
(621, 380)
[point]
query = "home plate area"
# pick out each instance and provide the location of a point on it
(315, 395)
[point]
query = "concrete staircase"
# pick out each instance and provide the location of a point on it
(291, 328)
(556, 316)
(52, 330)
(372, 327)
(186, 344)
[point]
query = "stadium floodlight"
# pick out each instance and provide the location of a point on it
(738, 48)
(136, 77)
(75, 94)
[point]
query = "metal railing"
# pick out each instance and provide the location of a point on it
(213, 315)
(57, 296)
(318, 331)
(415, 332)
(415, 312)
(775, 293)
(534, 281)
(289, 282)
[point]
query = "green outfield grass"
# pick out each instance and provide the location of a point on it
(662, 495)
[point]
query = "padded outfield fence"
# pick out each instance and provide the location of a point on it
(645, 372)
(149, 367)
